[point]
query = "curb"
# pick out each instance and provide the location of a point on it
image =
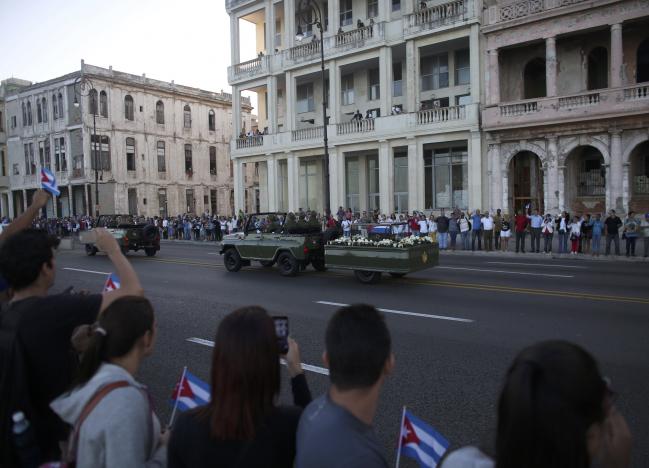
(580, 257)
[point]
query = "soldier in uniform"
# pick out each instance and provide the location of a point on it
(290, 226)
(313, 223)
(273, 224)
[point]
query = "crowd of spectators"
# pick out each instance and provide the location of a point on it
(80, 354)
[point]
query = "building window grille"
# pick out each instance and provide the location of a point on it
(55, 107)
(305, 99)
(462, 67)
(374, 85)
(103, 104)
(188, 159)
(93, 106)
(211, 120)
(346, 12)
(130, 154)
(213, 160)
(347, 89)
(434, 72)
(446, 178)
(187, 117)
(162, 163)
(160, 112)
(129, 108)
(100, 148)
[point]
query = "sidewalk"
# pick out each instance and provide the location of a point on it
(494, 254)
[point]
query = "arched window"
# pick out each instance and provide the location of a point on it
(39, 111)
(598, 68)
(534, 79)
(55, 107)
(162, 163)
(130, 154)
(24, 115)
(642, 63)
(160, 112)
(29, 113)
(92, 102)
(103, 104)
(44, 104)
(187, 117)
(60, 105)
(211, 120)
(128, 108)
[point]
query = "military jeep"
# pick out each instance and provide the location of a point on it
(275, 238)
(129, 235)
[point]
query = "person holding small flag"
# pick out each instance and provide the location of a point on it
(336, 429)
(110, 411)
(242, 425)
(45, 323)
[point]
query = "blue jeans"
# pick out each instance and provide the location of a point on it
(563, 242)
(595, 244)
(465, 240)
(453, 237)
(442, 239)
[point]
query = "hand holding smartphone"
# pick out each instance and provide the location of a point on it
(281, 330)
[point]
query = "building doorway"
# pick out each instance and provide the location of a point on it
(585, 181)
(534, 79)
(525, 182)
(642, 63)
(639, 178)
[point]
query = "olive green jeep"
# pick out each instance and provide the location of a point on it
(127, 232)
(271, 238)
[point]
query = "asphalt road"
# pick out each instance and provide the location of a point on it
(448, 372)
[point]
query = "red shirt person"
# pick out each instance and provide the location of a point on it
(520, 224)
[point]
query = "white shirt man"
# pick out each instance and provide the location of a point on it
(347, 227)
(487, 223)
(423, 227)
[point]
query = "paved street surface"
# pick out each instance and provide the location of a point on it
(455, 328)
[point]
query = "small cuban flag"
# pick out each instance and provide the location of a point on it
(48, 182)
(190, 392)
(112, 283)
(420, 441)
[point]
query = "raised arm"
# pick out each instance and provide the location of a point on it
(24, 221)
(130, 283)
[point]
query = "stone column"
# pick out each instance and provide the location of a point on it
(552, 200)
(236, 112)
(550, 67)
(362, 182)
(270, 27)
(496, 177)
(289, 103)
(561, 184)
(475, 171)
(334, 92)
(271, 166)
(289, 23)
(271, 96)
(386, 177)
(331, 14)
(615, 172)
(336, 180)
(617, 55)
(626, 186)
(239, 196)
(412, 77)
(89, 209)
(474, 62)
(385, 79)
(25, 203)
(293, 167)
(234, 37)
(413, 179)
(70, 200)
(494, 78)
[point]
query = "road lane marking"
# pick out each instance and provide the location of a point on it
(87, 271)
(403, 312)
(506, 272)
(307, 367)
(538, 264)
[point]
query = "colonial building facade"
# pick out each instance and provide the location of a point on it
(567, 104)
(412, 70)
(161, 148)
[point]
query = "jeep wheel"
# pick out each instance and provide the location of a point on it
(266, 263)
(288, 265)
(368, 277)
(90, 250)
(319, 264)
(232, 260)
(397, 275)
(150, 251)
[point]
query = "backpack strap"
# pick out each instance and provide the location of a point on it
(87, 409)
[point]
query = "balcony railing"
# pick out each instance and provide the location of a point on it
(307, 133)
(636, 93)
(77, 173)
(250, 142)
(355, 126)
(358, 36)
(303, 51)
(442, 114)
(521, 9)
(250, 68)
(523, 108)
(435, 16)
(580, 100)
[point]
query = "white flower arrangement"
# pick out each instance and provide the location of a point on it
(360, 241)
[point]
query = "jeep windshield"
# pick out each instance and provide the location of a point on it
(115, 221)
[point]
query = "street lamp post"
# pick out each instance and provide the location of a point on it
(83, 87)
(305, 7)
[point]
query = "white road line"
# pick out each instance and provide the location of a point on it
(308, 367)
(87, 271)
(403, 312)
(555, 265)
(505, 272)
(213, 253)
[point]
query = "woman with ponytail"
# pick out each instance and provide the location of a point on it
(110, 412)
(555, 410)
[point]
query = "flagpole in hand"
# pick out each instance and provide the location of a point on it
(180, 388)
(403, 416)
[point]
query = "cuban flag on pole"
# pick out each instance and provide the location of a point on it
(112, 283)
(420, 441)
(190, 392)
(48, 182)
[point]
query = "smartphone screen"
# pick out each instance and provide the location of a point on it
(281, 330)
